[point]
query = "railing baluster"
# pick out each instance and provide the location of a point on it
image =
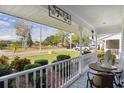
(41, 78)
(59, 75)
(17, 82)
(65, 72)
(78, 65)
(62, 74)
(68, 70)
(46, 77)
(71, 68)
(26, 76)
(55, 76)
(6, 83)
(74, 66)
(51, 76)
(34, 78)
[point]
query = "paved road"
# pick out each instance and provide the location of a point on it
(29, 53)
(22, 53)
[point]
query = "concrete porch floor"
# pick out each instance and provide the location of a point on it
(81, 82)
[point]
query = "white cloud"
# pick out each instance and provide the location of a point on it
(5, 18)
(8, 37)
(4, 23)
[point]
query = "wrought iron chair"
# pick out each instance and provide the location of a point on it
(105, 80)
(118, 80)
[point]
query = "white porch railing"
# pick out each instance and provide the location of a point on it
(59, 74)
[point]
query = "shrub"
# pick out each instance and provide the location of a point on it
(101, 53)
(63, 57)
(41, 62)
(30, 66)
(4, 70)
(54, 61)
(18, 64)
(4, 60)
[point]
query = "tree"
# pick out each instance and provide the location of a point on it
(29, 40)
(23, 30)
(2, 44)
(86, 41)
(15, 46)
(52, 40)
(64, 36)
(75, 38)
(56, 40)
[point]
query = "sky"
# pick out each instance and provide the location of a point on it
(8, 32)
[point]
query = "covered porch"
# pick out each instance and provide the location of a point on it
(91, 21)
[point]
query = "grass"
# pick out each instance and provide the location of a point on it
(51, 57)
(30, 49)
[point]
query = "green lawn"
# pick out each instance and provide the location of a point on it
(51, 57)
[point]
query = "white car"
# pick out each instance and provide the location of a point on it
(84, 47)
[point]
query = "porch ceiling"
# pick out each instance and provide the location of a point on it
(105, 19)
(40, 15)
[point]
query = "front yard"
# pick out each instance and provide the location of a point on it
(52, 57)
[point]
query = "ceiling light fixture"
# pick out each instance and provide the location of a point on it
(104, 22)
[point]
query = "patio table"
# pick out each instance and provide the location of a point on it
(117, 71)
(97, 67)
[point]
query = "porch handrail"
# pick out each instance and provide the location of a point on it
(57, 74)
(33, 69)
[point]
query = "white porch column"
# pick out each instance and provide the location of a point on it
(122, 45)
(122, 41)
(70, 41)
(81, 57)
(81, 38)
(96, 41)
(40, 37)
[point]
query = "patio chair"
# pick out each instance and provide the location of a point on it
(118, 79)
(100, 80)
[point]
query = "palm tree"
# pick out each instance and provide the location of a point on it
(15, 46)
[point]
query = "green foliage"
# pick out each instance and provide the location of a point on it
(75, 38)
(15, 46)
(23, 31)
(30, 66)
(52, 40)
(29, 40)
(86, 41)
(54, 61)
(4, 69)
(63, 57)
(41, 62)
(63, 37)
(2, 44)
(18, 64)
(4, 60)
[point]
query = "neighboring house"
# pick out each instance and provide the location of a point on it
(112, 41)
